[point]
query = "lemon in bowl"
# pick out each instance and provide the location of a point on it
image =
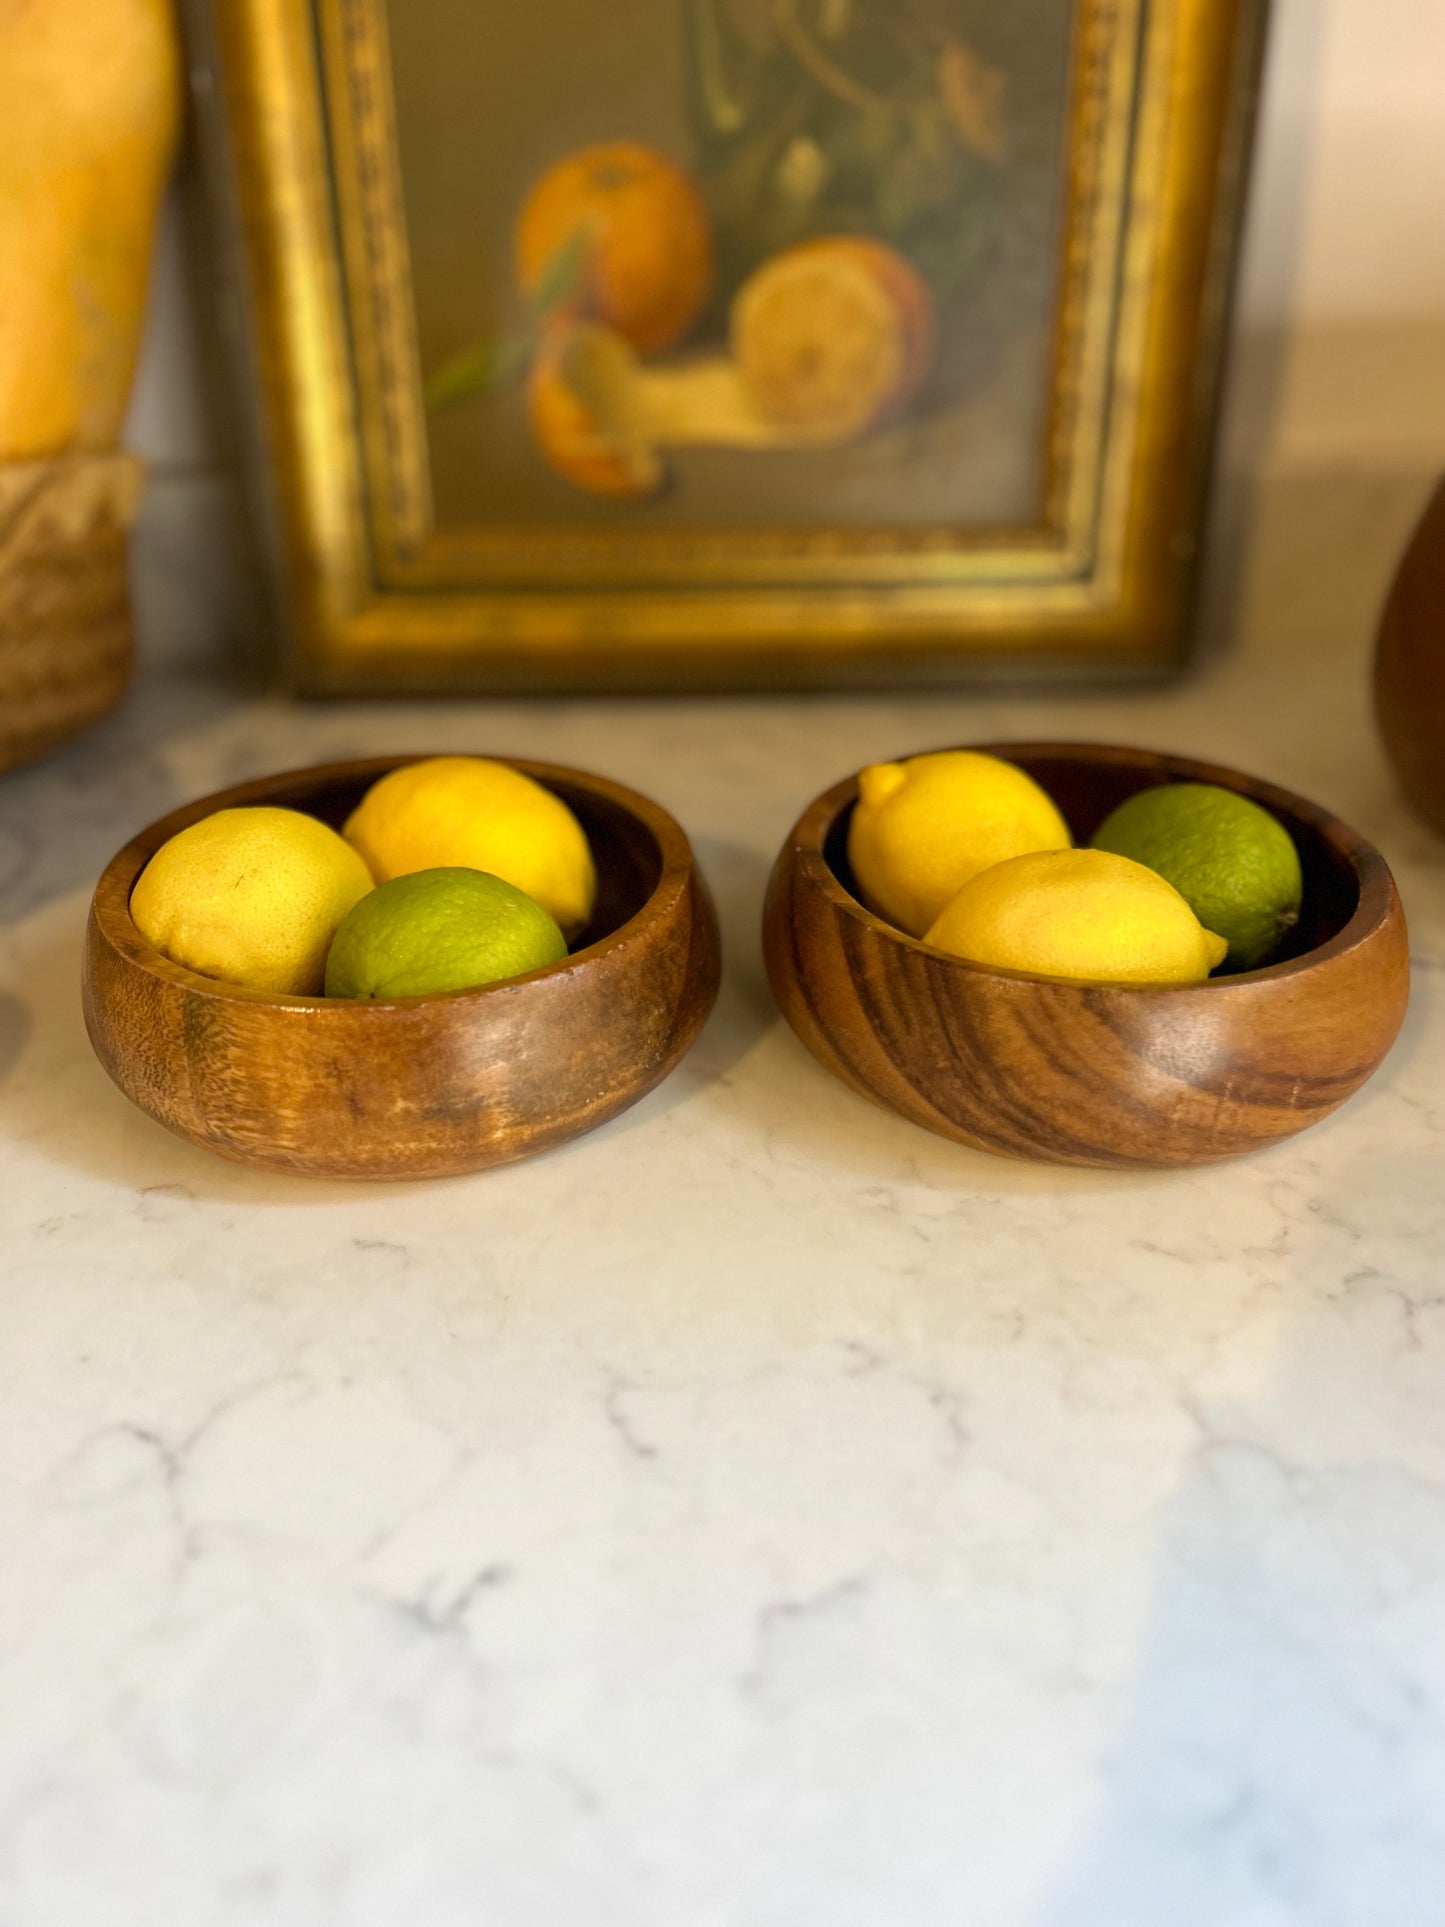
(922, 828)
(468, 812)
(250, 896)
(1084, 915)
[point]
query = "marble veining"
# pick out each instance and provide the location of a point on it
(758, 1513)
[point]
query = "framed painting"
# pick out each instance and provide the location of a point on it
(685, 343)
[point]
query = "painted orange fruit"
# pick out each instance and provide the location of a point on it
(580, 402)
(834, 335)
(647, 264)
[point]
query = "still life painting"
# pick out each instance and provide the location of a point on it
(806, 276)
(706, 342)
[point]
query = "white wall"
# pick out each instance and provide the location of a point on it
(1341, 349)
(1348, 218)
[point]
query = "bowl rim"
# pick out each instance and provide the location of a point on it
(110, 902)
(808, 839)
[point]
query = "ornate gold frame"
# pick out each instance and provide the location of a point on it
(299, 131)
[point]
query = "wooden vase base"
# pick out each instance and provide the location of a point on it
(66, 641)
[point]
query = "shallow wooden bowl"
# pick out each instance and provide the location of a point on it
(1094, 1074)
(422, 1086)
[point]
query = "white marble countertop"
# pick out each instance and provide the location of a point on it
(759, 1513)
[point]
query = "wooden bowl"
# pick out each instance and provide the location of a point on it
(418, 1087)
(1094, 1074)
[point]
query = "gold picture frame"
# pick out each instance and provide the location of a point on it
(300, 141)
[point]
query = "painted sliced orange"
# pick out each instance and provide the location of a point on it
(584, 417)
(834, 335)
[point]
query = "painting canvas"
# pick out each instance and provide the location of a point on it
(693, 342)
(812, 246)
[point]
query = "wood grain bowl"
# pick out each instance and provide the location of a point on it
(422, 1086)
(1094, 1074)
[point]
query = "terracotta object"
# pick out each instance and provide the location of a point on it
(90, 100)
(423, 1086)
(66, 644)
(1410, 666)
(1094, 1074)
(90, 110)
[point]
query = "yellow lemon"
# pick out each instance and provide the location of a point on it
(250, 896)
(467, 813)
(1082, 914)
(922, 828)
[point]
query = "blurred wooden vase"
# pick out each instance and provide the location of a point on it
(89, 111)
(65, 625)
(1410, 666)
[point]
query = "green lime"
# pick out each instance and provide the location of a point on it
(1231, 861)
(439, 930)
